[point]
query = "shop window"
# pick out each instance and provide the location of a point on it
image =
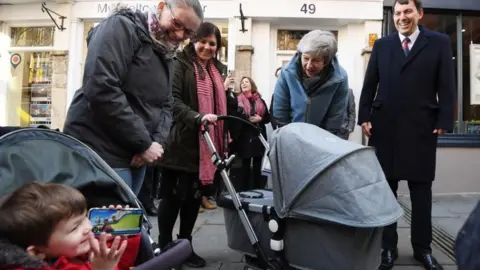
(287, 40)
(471, 73)
(447, 24)
(30, 91)
(32, 36)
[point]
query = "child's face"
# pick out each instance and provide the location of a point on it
(70, 238)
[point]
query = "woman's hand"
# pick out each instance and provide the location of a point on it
(255, 119)
(211, 118)
(228, 81)
(103, 257)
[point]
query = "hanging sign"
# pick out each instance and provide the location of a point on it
(474, 74)
(15, 60)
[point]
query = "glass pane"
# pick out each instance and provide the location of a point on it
(29, 92)
(471, 74)
(287, 40)
(447, 24)
(32, 36)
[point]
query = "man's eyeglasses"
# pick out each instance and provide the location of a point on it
(179, 25)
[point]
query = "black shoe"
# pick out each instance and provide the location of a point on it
(388, 259)
(428, 261)
(195, 261)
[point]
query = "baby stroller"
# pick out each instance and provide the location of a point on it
(327, 208)
(49, 156)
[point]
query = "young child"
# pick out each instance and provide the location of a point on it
(45, 226)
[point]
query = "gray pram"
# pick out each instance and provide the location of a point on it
(34, 154)
(329, 203)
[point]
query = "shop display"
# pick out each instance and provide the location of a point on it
(39, 89)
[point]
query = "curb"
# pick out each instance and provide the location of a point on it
(440, 238)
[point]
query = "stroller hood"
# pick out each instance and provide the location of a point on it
(317, 176)
(28, 155)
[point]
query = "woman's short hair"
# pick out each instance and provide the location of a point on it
(319, 43)
(193, 4)
(207, 29)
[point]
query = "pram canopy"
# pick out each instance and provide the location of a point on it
(317, 176)
(28, 155)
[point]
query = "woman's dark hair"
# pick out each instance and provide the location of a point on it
(207, 29)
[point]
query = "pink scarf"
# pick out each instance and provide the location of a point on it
(245, 99)
(208, 81)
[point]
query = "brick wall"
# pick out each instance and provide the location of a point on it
(243, 63)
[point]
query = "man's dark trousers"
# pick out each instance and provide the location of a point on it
(421, 223)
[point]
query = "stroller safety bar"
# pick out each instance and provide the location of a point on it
(222, 165)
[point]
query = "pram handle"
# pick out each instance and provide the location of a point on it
(206, 124)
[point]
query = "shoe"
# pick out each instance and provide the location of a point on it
(388, 259)
(207, 204)
(194, 261)
(428, 261)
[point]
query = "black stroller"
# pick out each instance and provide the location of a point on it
(329, 203)
(34, 154)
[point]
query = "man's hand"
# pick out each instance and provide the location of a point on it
(137, 161)
(211, 118)
(439, 131)
(153, 153)
(366, 127)
(255, 119)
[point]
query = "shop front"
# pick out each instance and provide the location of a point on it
(458, 152)
(33, 65)
(274, 28)
(86, 14)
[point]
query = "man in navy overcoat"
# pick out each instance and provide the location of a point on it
(407, 100)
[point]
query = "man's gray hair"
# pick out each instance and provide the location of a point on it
(320, 43)
(194, 4)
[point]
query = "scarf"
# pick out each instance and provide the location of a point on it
(211, 99)
(158, 35)
(244, 101)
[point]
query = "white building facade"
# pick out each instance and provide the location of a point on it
(39, 88)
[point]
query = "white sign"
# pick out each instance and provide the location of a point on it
(99, 10)
(474, 74)
(335, 9)
(106, 8)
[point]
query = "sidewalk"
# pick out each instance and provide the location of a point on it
(210, 240)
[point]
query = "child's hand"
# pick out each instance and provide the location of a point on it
(102, 257)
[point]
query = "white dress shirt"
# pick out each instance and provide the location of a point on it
(413, 37)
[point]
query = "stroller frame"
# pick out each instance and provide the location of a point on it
(275, 224)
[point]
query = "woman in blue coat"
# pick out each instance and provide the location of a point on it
(313, 87)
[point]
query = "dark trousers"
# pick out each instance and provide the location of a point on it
(181, 193)
(252, 175)
(149, 187)
(421, 225)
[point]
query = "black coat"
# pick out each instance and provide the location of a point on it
(182, 151)
(406, 111)
(126, 100)
(248, 144)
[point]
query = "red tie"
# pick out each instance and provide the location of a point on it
(405, 42)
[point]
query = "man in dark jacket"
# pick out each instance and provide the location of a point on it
(407, 100)
(124, 109)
